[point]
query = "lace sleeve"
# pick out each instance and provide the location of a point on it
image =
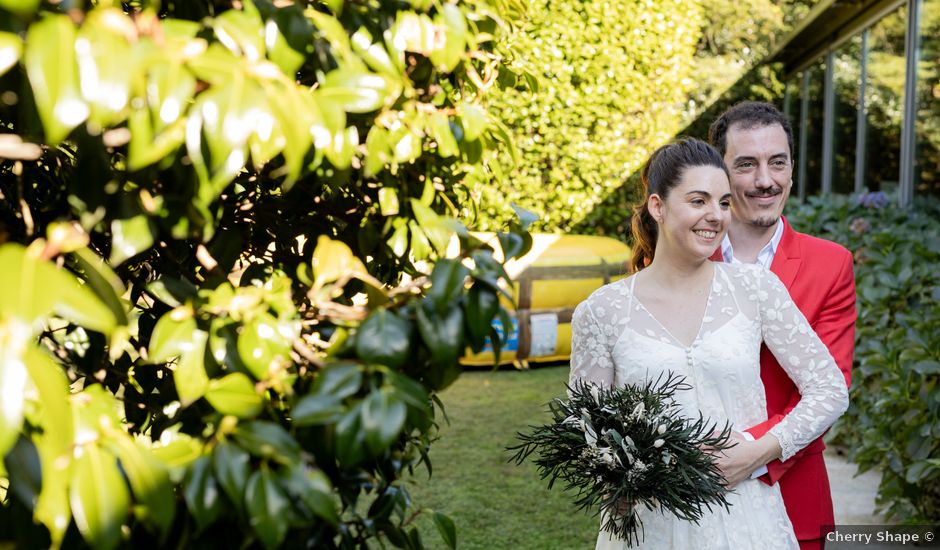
(823, 395)
(590, 354)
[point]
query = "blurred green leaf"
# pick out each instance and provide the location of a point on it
(268, 440)
(445, 526)
(317, 409)
(13, 379)
(129, 238)
(149, 481)
(434, 226)
(43, 288)
(99, 496)
(384, 338)
(173, 335)
(313, 488)
(105, 78)
(357, 91)
(451, 20)
(267, 505)
(350, 437)
(189, 373)
(388, 201)
(11, 48)
(333, 260)
(341, 380)
(447, 284)
(242, 32)
(20, 7)
(383, 416)
(234, 394)
(473, 120)
(230, 464)
(53, 72)
(261, 343)
(201, 492)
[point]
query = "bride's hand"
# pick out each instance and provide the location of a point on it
(738, 462)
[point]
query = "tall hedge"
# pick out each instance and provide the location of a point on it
(226, 296)
(893, 420)
(612, 80)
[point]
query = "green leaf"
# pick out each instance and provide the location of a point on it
(444, 339)
(179, 452)
(357, 91)
(374, 54)
(242, 32)
(333, 260)
(189, 373)
(439, 125)
(13, 380)
(53, 74)
(99, 496)
(11, 48)
(926, 367)
(384, 338)
(350, 438)
(388, 200)
(103, 281)
(451, 20)
(268, 440)
(129, 237)
(54, 444)
(473, 120)
(317, 409)
(445, 526)
(267, 507)
(434, 226)
(279, 49)
(172, 336)
(20, 7)
(41, 288)
(341, 380)
(201, 492)
(105, 78)
(447, 284)
(24, 471)
(149, 480)
(234, 394)
(482, 306)
(230, 463)
(313, 488)
(262, 342)
(383, 416)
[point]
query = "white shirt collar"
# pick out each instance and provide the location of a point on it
(766, 255)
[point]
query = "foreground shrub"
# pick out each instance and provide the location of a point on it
(893, 421)
(225, 309)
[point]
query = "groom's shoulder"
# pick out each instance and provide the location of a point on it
(817, 249)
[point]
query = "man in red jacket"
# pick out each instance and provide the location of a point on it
(756, 142)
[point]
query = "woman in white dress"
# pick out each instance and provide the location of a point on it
(682, 313)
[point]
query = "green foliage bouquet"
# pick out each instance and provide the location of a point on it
(621, 448)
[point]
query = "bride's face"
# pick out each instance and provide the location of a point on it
(695, 214)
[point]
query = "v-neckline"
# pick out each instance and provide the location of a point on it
(701, 324)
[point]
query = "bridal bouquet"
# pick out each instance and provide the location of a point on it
(626, 447)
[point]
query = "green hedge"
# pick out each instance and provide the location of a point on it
(613, 79)
(893, 421)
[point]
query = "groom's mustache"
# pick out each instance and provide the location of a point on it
(764, 192)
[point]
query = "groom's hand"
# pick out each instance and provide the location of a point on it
(738, 462)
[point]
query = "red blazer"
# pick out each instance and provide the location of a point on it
(820, 278)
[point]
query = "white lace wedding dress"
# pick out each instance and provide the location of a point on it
(617, 341)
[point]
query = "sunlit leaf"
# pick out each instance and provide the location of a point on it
(242, 32)
(358, 91)
(11, 48)
(473, 120)
(42, 288)
(149, 480)
(234, 394)
(14, 338)
(260, 343)
(53, 73)
(129, 237)
(189, 373)
(268, 440)
(172, 336)
(105, 78)
(451, 19)
(99, 496)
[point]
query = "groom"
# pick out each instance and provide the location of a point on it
(756, 142)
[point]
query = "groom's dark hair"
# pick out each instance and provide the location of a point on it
(747, 115)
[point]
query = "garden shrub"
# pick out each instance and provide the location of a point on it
(225, 305)
(893, 420)
(612, 81)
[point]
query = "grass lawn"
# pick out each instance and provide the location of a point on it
(495, 504)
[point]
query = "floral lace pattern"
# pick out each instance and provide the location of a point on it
(615, 340)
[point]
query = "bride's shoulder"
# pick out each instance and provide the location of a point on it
(611, 292)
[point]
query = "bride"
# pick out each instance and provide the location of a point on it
(681, 312)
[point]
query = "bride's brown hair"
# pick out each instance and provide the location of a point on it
(662, 172)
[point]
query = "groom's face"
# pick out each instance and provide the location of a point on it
(761, 173)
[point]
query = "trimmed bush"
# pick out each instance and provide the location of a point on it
(893, 421)
(613, 77)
